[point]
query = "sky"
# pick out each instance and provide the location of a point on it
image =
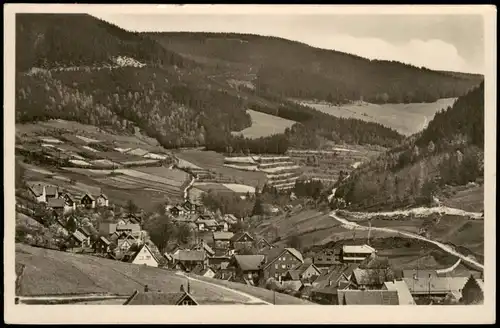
(442, 42)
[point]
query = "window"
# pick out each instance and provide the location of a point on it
(276, 266)
(148, 257)
(186, 302)
(283, 266)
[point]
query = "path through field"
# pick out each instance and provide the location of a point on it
(352, 225)
(252, 299)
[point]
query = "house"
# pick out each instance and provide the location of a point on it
(326, 258)
(132, 228)
(222, 226)
(367, 297)
(38, 192)
(334, 274)
(124, 242)
(328, 294)
(305, 272)
(473, 291)
(102, 245)
(247, 268)
(404, 295)
(102, 200)
(187, 260)
(210, 225)
(263, 244)
(159, 298)
(51, 192)
(176, 211)
(230, 219)
(436, 288)
(76, 240)
(219, 260)
(279, 261)
(88, 201)
(203, 246)
(242, 240)
(142, 256)
(371, 278)
(189, 207)
(56, 204)
(222, 240)
(204, 272)
(356, 253)
(69, 202)
(86, 233)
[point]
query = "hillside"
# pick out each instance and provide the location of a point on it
(79, 68)
(449, 153)
(293, 69)
(73, 274)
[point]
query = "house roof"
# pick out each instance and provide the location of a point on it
(85, 231)
(134, 227)
(207, 248)
(249, 262)
(79, 236)
(167, 256)
(335, 273)
(208, 223)
(103, 196)
(158, 298)
(357, 249)
(240, 235)
(104, 240)
(301, 268)
(50, 190)
(273, 253)
(401, 288)
(185, 255)
(223, 235)
(372, 277)
(265, 242)
(56, 202)
(419, 273)
(89, 196)
(423, 285)
(134, 255)
(36, 189)
(332, 289)
(367, 297)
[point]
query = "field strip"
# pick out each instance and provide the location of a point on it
(252, 299)
(419, 211)
(348, 224)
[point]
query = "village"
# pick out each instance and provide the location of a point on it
(219, 249)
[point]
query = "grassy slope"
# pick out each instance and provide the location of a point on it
(264, 294)
(407, 119)
(264, 125)
(50, 272)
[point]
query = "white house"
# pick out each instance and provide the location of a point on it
(356, 253)
(144, 256)
(102, 200)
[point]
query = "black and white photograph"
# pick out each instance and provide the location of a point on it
(258, 156)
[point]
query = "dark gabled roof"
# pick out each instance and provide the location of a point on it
(249, 262)
(36, 189)
(50, 190)
(368, 297)
(78, 236)
(85, 231)
(103, 196)
(273, 253)
(373, 277)
(223, 235)
(158, 298)
(104, 240)
(89, 196)
(293, 274)
(240, 235)
(265, 242)
(335, 273)
(184, 255)
(56, 202)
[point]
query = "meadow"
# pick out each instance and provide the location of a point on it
(264, 125)
(407, 119)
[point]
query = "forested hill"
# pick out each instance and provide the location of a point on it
(77, 67)
(295, 70)
(450, 151)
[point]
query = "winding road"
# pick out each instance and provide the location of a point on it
(352, 225)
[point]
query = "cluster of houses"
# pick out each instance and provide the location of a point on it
(355, 274)
(56, 199)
